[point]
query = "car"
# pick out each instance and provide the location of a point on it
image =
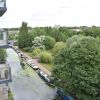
(29, 62)
(20, 55)
(61, 94)
(35, 67)
(17, 51)
(46, 77)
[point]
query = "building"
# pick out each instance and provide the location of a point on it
(5, 78)
(3, 8)
(3, 38)
(5, 74)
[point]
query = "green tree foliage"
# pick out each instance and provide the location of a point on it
(38, 31)
(39, 42)
(36, 52)
(49, 42)
(55, 33)
(11, 36)
(78, 69)
(24, 39)
(2, 56)
(74, 39)
(58, 47)
(91, 31)
(45, 57)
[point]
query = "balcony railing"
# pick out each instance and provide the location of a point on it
(5, 74)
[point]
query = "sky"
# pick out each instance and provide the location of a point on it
(51, 12)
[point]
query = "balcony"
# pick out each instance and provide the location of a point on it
(5, 74)
(3, 38)
(3, 8)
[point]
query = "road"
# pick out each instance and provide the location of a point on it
(24, 87)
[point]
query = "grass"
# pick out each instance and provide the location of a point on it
(48, 66)
(10, 96)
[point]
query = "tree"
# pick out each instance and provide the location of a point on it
(78, 69)
(38, 31)
(58, 47)
(24, 39)
(36, 52)
(45, 57)
(39, 42)
(49, 42)
(74, 39)
(92, 31)
(11, 36)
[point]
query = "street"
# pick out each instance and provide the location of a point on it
(26, 87)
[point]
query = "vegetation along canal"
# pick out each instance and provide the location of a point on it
(26, 84)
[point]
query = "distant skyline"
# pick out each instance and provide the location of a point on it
(51, 12)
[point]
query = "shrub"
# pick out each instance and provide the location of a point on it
(28, 49)
(2, 56)
(45, 57)
(58, 47)
(36, 52)
(49, 42)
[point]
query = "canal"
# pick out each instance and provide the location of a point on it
(24, 86)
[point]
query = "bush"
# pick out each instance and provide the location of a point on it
(10, 95)
(28, 49)
(36, 52)
(45, 57)
(2, 56)
(58, 47)
(49, 42)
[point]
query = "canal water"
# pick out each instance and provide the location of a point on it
(24, 87)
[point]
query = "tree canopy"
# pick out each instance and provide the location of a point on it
(78, 69)
(24, 39)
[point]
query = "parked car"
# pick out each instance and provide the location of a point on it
(25, 59)
(48, 79)
(29, 62)
(20, 55)
(61, 94)
(35, 67)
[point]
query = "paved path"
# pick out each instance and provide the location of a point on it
(37, 63)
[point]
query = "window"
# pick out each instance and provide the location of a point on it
(1, 0)
(1, 3)
(1, 36)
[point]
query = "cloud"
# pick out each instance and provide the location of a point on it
(51, 12)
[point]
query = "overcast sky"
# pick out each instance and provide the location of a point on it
(51, 12)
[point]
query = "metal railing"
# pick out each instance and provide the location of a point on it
(5, 74)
